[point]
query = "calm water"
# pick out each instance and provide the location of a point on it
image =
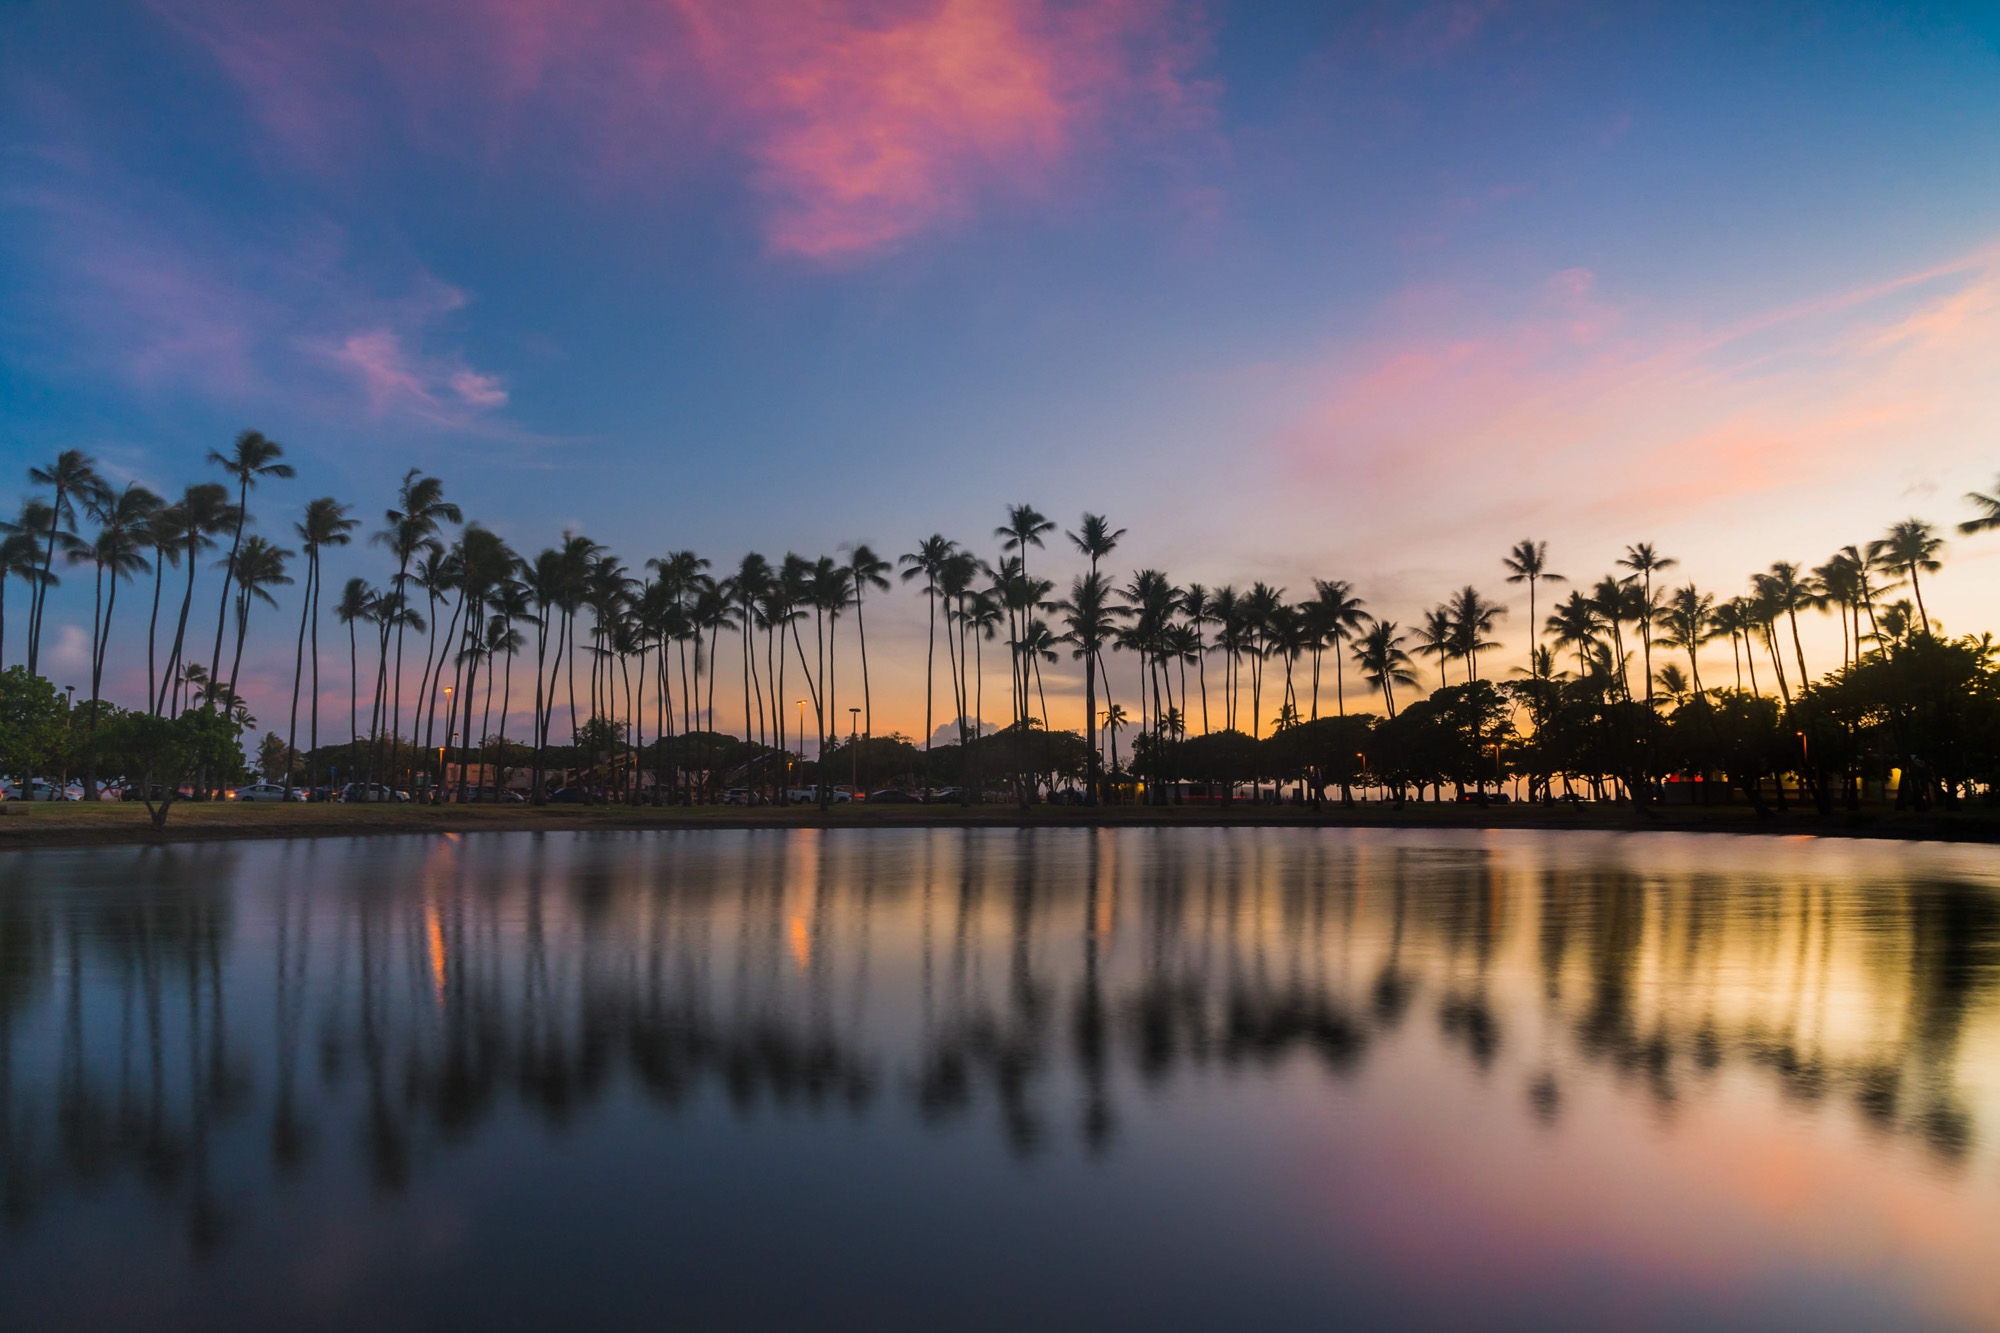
(1197, 1079)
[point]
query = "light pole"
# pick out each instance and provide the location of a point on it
(437, 792)
(854, 749)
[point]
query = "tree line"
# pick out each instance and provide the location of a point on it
(1601, 703)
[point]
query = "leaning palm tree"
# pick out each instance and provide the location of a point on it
(1575, 624)
(259, 567)
(205, 513)
(22, 556)
(1786, 591)
(1528, 563)
(325, 524)
(413, 525)
(164, 533)
(1379, 653)
(1910, 548)
(250, 460)
(74, 476)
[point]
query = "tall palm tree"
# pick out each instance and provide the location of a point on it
(412, 526)
(74, 476)
(1379, 653)
(865, 571)
(1095, 538)
(1731, 618)
(1528, 563)
(1911, 548)
(1260, 605)
(325, 524)
(1644, 562)
(206, 513)
(927, 562)
(1788, 591)
(119, 551)
(164, 534)
(358, 604)
(251, 459)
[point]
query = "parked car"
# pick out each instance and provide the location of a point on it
(810, 796)
(493, 796)
(569, 796)
(894, 796)
(41, 789)
(371, 792)
(744, 796)
(267, 791)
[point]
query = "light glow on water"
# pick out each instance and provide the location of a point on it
(991, 1078)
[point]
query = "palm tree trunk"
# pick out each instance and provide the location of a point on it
(1804, 679)
(170, 682)
(1916, 587)
(229, 574)
(930, 672)
(867, 700)
(313, 575)
(353, 692)
(152, 630)
(298, 672)
(38, 598)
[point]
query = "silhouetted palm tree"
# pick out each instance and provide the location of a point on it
(118, 550)
(259, 567)
(250, 459)
(325, 524)
(1689, 618)
(1528, 563)
(1989, 511)
(1344, 616)
(1644, 562)
(927, 563)
(358, 604)
(74, 476)
(1379, 653)
(1910, 548)
(867, 572)
(206, 513)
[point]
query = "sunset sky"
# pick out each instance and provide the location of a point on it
(1367, 291)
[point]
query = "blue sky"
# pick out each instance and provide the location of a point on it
(1364, 291)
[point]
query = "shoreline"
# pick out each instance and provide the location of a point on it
(24, 827)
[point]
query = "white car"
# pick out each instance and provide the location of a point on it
(267, 791)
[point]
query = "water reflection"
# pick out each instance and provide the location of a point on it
(209, 1023)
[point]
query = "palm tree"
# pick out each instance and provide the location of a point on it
(74, 476)
(1786, 591)
(358, 603)
(1025, 527)
(1575, 624)
(1472, 618)
(1115, 717)
(164, 534)
(1437, 637)
(1989, 515)
(251, 459)
(866, 570)
(1087, 620)
(1344, 616)
(413, 525)
(20, 557)
(205, 513)
(1260, 604)
(1644, 562)
(1379, 653)
(117, 550)
(259, 567)
(325, 524)
(1528, 563)
(1732, 618)
(928, 562)
(1911, 548)
(1690, 622)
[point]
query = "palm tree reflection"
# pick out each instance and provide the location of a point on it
(156, 1006)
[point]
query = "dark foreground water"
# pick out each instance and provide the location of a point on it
(941, 1079)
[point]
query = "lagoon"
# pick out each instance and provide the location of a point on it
(1161, 1078)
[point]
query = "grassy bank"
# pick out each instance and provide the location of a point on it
(56, 825)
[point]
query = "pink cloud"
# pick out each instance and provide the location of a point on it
(861, 123)
(394, 379)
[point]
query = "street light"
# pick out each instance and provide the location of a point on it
(854, 748)
(437, 792)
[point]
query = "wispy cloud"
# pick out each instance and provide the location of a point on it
(860, 123)
(1585, 411)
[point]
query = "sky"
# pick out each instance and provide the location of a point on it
(1367, 291)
